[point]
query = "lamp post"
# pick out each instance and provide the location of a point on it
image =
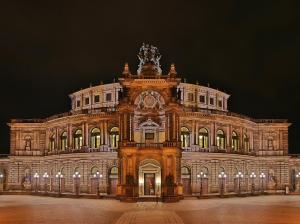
(262, 177)
(59, 176)
(36, 177)
(222, 177)
(1, 182)
(45, 177)
(252, 177)
(76, 177)
(239, 177)
(201, 176)
(97, 175)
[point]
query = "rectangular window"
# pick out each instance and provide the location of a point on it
(190, 97)
(202, 99)
(220, 103)
(87, 100)
(108, 97)
(96, 98)
(149, 135)
(211, 101)
(78, 103)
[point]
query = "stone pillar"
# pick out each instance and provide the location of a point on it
(87, 139)
(105, 132)
(101, 133)
(83, 134)
(70, 139)
(197, 134)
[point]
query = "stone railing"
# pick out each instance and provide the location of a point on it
(150, 145)
(4, 155)
(82, 150)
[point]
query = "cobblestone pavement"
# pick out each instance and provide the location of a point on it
(262, 209)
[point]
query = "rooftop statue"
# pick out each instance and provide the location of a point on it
(149, 54)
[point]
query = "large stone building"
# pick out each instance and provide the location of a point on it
(149, 134)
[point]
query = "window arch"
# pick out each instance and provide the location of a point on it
(185, 137)
(220, 139)
(94, 170)
(63, 140)
(235, 141)
(95, 138)
(246, 143)
(77, 137)
(114, 137)
(203, 138)
(52, 142)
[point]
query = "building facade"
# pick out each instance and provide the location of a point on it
(149, 135)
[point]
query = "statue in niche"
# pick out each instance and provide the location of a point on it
(272, 182)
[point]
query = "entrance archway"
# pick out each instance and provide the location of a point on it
(149, 178)
(113, 180)
(186, 180)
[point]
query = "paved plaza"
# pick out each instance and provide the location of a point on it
(260, 209)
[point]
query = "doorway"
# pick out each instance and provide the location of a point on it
(149, 184)
(149, 178)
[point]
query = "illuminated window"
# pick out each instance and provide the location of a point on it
(77, 139)
(87, 100)
(202, 99)
(185, 137)
(246, 143)
(52, 142)
(95, 138)
(108, 97)
(220, 139)
(63, 140)
(96, 98)
(203, 138)
(235, 141)
(114, 137)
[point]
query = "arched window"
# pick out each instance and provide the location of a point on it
(95, 138)
(235, 141)
(52, 142)
(114, 137)
(114, 171)
(185, 137)
(63, 140)
(94, 170)
(220, 139)
(77, 137)
(203, 138)
(246, 143)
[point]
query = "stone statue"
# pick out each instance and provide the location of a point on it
(149, 54)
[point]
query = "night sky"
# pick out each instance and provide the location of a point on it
(249, 49)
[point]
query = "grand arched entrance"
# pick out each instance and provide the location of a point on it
(149, 178)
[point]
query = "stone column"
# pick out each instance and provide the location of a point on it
(87, 139)
(101, 133)
(105, 132)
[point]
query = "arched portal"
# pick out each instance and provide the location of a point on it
(186, 180)
(113, 180)
(149, 178)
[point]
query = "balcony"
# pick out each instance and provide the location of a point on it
(83, 149)
(150, 145)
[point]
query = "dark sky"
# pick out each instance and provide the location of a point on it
(249, 49)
